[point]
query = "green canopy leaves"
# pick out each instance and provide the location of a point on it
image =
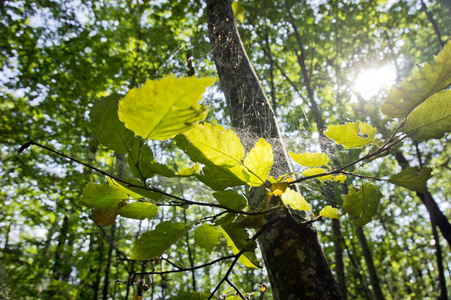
(206, 236)
(161, 109)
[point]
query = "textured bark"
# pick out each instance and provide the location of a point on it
(293, 256)
(370, 265)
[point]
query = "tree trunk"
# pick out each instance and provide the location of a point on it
(295, 261)
(370, 265)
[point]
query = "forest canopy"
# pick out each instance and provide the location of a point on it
(225, 149)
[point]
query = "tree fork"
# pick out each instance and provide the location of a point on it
(293, 256)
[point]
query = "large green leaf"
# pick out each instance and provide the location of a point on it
(103, 196)
(153, 243)
(431, 119)
(107, 127)
(423, 83)
(351, 135)
(163, 108)
(361, 204)
(413, 178)
(206, 236)
(258, 163)
(230, 199)
(139, 210)
(211, 144)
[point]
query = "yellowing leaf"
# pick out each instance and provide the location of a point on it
(315, 171)
(238, 11)
(163, 108)
(351, 135)
(189, 171)
(279, 188)
(423, 83)
(330, 212)
(295, 200)
(214, 144)
(339, 178)
(431, 119)
(310, 159)
(258, 163)
(413, 178)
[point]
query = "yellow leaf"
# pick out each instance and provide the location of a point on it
(351, 135)
(163, 108)
(295, 200)
(330, 212)
(315, 171)
(339, 178)
(258, 163)
(238, 11)
(278, 188)
(310, 159)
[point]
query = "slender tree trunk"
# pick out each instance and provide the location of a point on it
(296, 264)
(370, 265)
(106, 280)
(437, 217)
(434, 24)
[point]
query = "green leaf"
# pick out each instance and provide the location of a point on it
(330, 212)
(211, 144)
(134, 192)
(161, 109)
(206, 236)
(295, 200)
(240, 237)
(310, 159)
(315, 171)
(220, 177)
(107, 127)
(143, 164)
(423, 83)
(153, 243)
(103, 196)
(413, 178)
(238, 11)
(139, 210)
(258, 163)
(351, 135)
(248, 258)
(431, 119)
(230, 199)
(361, 204)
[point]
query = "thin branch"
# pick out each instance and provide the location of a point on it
(237, 256)
(185, 269)
(236, 289)
(181, 201)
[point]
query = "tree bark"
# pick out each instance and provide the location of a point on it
(295, 261)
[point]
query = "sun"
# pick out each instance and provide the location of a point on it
(370, 82)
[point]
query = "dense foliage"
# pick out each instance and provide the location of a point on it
(92, 209)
